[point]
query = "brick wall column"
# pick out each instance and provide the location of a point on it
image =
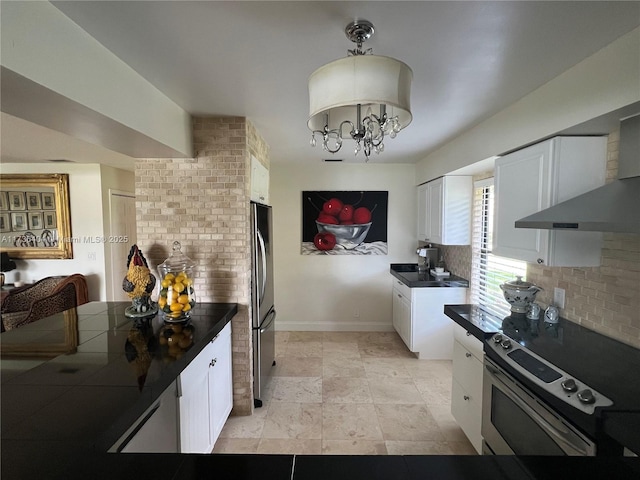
(203, 203)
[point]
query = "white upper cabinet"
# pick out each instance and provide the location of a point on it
(538, 177)
(444, 210)
(259, 182)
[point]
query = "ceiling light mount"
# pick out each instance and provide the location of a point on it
(359, 31)
(342, 91)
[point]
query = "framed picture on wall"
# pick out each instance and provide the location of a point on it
(5, 225)
(344, 222)
(37, 203)
(50, 220)
(33, 201)
(48, 201)
(16, 200)
(4, 202)
(35, 220)
(19, 221)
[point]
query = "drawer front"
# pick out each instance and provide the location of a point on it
(402, 288)
(467, 410)
(467, 370)
(468, 341)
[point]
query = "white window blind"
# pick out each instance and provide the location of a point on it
(488, 271)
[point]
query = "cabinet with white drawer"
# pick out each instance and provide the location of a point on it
(418, 317)
(466, 392)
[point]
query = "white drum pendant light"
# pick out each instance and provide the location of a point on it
(364, 95)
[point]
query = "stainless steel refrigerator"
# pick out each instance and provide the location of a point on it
(263, 312)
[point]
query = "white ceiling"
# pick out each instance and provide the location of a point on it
(253, 59)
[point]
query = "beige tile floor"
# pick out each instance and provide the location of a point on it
(351, 393)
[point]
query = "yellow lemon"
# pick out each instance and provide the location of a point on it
(179, 287)
(162, 301)
(188, 282)
(169, 276)
(165, 283)
(184, 298)
(176, 307)
(186, 307)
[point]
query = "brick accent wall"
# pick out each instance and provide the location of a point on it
(203, 203)
(604, 298)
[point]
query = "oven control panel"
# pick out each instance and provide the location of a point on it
(547, 376)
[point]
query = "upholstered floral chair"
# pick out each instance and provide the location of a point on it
(46, 297)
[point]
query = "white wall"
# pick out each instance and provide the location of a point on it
(323, 292)
(605, 82)
(87, 211)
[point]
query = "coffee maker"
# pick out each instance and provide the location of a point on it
(428, 258)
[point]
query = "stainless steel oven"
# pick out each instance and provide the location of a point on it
(515, 421)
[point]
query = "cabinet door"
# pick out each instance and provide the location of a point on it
(259, 182)
(522, 188)
(435, 211)
(220, 382)
(402, 317)
(467, 410)
(193, 404)
(422, 212)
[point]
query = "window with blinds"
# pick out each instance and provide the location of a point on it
(488, 271)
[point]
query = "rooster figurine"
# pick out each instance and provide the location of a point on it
(139, 283)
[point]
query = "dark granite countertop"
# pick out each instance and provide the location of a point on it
(408, 274)
(88, 398)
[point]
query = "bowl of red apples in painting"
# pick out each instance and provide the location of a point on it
(341, 224)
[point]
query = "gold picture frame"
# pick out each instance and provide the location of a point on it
(50, 242)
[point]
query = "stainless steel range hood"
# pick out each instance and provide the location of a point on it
(614, 207)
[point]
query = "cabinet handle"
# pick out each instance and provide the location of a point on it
(466, 397)
(467, 354)
(540, 261)
(213, 362)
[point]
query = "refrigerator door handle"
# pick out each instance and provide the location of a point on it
(269, 319)
(263, 260)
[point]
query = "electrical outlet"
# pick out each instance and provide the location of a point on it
(558, 297)
(91, 256)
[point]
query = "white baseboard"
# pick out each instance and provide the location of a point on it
(333, 327)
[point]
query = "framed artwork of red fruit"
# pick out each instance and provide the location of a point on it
(344, 222)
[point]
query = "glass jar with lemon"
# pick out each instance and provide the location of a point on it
(177, 295)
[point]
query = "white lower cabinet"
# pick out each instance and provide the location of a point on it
(418, 317)
(401, 305)
(205, 395)
(189, 415)
(466, 391)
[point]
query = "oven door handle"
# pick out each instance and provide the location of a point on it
(561, 436)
